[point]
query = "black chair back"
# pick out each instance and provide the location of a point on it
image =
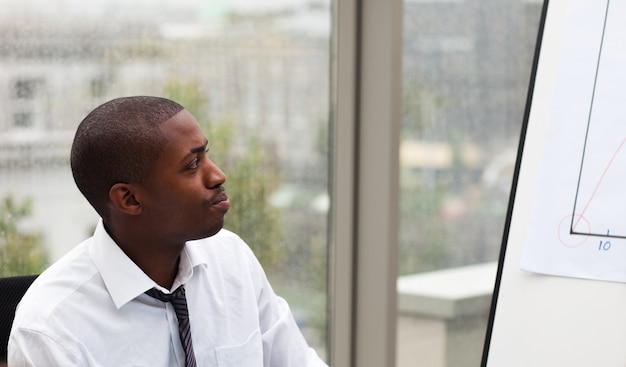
(11, 291)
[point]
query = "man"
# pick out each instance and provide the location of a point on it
(160, 283)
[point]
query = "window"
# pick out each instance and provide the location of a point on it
(466, 68)
(23, 119)
(255, 74)
(27, 103)
(25, 89)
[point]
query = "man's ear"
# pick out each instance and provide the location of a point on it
(123, 197)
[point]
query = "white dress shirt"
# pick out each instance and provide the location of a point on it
(89, 309)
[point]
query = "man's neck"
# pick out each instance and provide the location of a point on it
(159, 262)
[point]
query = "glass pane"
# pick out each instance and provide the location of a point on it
(466, 68)
(254, 74)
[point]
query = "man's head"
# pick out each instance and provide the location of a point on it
(118, 142)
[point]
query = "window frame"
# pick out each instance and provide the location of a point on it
(363, 223)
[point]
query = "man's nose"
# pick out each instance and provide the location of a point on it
(213, 175)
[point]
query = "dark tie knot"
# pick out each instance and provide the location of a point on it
(178, 294)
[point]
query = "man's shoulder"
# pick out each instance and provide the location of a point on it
(55, 286)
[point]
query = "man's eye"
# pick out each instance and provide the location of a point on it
(194, 164)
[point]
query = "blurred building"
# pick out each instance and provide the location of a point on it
(55, 69)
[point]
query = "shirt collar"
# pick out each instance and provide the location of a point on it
(123, 278)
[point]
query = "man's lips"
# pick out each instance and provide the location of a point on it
(221, 201)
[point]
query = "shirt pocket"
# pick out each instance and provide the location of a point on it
(247, 354)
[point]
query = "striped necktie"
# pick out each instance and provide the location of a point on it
(178, 300)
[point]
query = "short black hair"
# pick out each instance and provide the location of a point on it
(118, 142)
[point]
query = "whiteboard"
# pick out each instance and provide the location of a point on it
(560, 296)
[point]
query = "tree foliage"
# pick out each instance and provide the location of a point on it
(20, 252)
(252, 176)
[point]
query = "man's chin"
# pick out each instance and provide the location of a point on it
(209, 232)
